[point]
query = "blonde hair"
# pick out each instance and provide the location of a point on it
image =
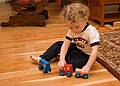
(75, 12)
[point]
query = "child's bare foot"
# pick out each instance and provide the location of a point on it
(34, 59)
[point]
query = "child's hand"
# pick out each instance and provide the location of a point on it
(86, 69)
(80, 71)
(61, 64)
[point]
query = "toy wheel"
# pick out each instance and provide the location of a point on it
(77, 75)
(68, 74)
(50, 70)
(44, 71)
(40, 67)
(85, 76)
(61, 73)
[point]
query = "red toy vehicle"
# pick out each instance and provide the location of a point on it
(67, 70)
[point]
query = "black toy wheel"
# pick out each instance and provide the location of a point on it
(85, 76)
(61, 73)
(77, 75)
(69, 74)
(44, 71)
(40, 67)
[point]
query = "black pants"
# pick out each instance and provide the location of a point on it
(74, 55)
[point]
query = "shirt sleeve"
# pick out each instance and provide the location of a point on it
(94, 38)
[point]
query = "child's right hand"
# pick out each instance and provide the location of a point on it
(61, 64)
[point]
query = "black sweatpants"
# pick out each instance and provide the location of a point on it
(74, 55)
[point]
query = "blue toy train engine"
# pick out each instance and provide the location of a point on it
(44, 65)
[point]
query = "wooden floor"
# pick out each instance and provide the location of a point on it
(16, 45)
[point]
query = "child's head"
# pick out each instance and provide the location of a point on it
(75, 13)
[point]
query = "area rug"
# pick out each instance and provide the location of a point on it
(109, 52)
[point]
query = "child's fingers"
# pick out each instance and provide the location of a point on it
(61, 64)
(82, 71)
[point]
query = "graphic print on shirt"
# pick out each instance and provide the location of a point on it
(79, 41)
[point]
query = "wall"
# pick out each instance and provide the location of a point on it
(3, 0)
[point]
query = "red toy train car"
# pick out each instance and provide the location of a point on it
(67, 70)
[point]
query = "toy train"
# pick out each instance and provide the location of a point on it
(44, 65)
(68, 71)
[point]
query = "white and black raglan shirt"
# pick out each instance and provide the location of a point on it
(87, 38)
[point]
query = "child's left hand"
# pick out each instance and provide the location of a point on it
(86, 69)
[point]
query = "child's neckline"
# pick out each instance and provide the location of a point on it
(87, 24)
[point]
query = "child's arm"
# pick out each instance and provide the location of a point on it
(63, 52)
(92, 59)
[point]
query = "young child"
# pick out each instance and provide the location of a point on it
(79, 36)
